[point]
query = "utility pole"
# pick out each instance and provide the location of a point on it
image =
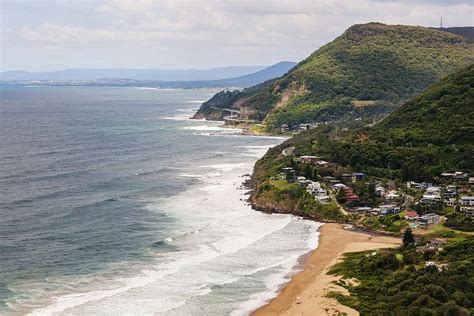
(441, 23)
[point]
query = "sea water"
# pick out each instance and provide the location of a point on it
(113, 202)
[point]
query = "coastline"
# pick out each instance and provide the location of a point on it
(306, 292)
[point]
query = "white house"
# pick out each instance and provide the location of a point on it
(466, 200)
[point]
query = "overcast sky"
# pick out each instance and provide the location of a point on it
(51, 35)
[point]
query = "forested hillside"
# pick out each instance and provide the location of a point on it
(382, 64)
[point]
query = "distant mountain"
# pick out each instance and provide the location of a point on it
(367, 71)
(134, 74)
(247, 80)
(465, 31)
(271, 72)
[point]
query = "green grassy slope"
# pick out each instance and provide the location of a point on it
(383, 63)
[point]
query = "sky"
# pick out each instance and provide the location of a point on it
(39, 35)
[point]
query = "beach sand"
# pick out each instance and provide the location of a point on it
(306, 293)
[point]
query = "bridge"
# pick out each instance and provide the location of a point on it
(235, 116)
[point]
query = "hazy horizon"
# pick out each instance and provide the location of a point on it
(147, 34)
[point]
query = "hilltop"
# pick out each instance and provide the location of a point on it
(381, 65)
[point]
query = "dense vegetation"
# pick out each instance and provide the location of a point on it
(398, 282)
(465, 31)
(383, 63)
(426, 136)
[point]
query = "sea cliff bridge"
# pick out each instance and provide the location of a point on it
(234, 117)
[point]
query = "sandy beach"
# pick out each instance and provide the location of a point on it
(306, 293)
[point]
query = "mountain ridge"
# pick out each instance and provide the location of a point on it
(386, 64)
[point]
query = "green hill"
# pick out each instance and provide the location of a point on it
(432, 133)
(385, 64)
(441, 115)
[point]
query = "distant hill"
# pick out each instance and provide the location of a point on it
(93, 77)
(263, 75)
(465, 31)
(134, 74)
(385, 64)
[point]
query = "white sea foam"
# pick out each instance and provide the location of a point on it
(222, 247)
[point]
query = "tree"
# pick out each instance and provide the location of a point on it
(341, 196)
(408, 238)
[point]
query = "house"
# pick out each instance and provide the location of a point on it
(451, 202)
(392, 195)
(323, 198)
(302, 127)
(433, 245)
(339, 186)
(380, 190)
(311, 160)
(386, 209)
(460, 175)
(433, 190)
(302, 181)
(466, 200)
(323, 163)
(428, 219)
(411, 216)
(430, 199)
(418, 186)
(464, 190)
(469, 210)
(450, 191)
(363, 209)
(413, 185)
(471, 180)
(289, 174)
(357, 176)
(352, 197)
(346, 176)
(314, 185)
(455, 175)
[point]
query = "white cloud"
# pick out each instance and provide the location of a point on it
(257, 32)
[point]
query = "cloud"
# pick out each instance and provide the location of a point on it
(257, 32)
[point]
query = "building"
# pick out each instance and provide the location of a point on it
(433, 190)
(357, 176)
(466, 200)
(450, 202)
(311, 160)
(428, 219)
(386, 209)
(339, 186)
(430, 199)
(411, 216)
(469, 210)
(323, 198)
(392, 195)
(289, 174)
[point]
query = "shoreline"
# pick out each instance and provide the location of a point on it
(305, 293)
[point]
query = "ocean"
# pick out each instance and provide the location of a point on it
(113, 202)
